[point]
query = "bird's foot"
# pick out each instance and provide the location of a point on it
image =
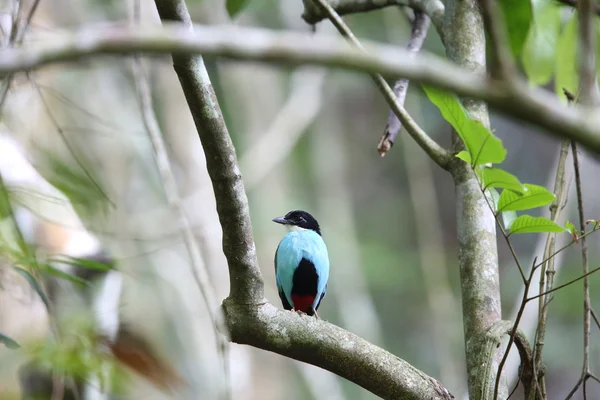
(299, 312)
(316, 315)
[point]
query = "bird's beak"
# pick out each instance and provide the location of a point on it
(281, 220)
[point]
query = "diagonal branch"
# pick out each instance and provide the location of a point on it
(432, 8)
(420, 26)
(221, 162)
(437, 153)
(249, 318)
(198, 268)
(320, 343)
(534, 105)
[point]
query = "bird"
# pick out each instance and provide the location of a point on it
(301, 263)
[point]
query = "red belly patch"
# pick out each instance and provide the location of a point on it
(303, 303)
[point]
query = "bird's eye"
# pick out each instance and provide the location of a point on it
(302, 219)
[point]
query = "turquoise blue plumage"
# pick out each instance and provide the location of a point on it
(301, 263)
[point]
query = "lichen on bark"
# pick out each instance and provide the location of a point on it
(464, 38)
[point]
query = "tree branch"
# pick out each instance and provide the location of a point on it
(584, 259)
(198, 267)
(437, 153)
(221, 162)
(548, 269)
(528, 104)
(420, 26)
(488, 344)
(432, 8)
(249, 318)
(477, 252)
(320, 343)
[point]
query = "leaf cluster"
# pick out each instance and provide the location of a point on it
(483, 150)
(545, 43)
(24, 259)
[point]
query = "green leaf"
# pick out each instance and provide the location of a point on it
(539, 53)
(34, 284)
(77, 183)
(517, 15)
(529, 224)
(482, 146)
(82, 263)
(4, 204)
(567, 75)
(8, 342)
(235, 6)
(463, 155)
(49, 269)
(534, 196)
(77, 354)
(508, 218)
(498, 178)
(571, 228)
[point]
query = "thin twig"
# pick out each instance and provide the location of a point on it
(16, 38)
(68, 145)
(584, 262)
(574, 390)
(548, 265)
(506, 236)
(513, 331)
(564, 284)
(516, 384)
(594, 377)
(595, 317)
(420, 27)
(587, 87)
(566, 246)
(510, 246)
(199, 272)
(438, 154)
(433, 8)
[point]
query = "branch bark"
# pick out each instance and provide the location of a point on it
(250, 319)
(477, 254)
(320, 343)
(534, 105)
(438, 154)
(432, 8)
(420, 26)
(221, 162)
